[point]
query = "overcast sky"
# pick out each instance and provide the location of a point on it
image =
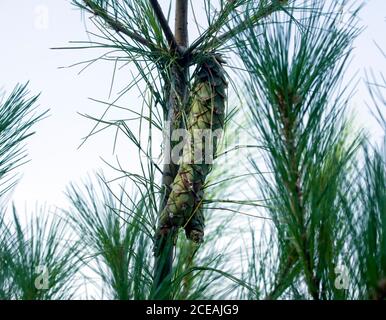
(29, 28)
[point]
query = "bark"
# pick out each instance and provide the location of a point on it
(177, 102)
(181, 23)
(164, 244)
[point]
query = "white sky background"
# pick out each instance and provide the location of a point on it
(25, 54)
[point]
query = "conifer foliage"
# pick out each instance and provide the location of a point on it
(318, 227)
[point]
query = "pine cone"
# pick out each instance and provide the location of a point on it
(183, 208)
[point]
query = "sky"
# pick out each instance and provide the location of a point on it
(28, 31)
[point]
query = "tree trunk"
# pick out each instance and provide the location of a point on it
(177, 100)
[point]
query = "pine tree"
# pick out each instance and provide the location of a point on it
(319, 182)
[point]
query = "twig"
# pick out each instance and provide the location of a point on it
(117, 26)
(164, 25)
(181, 23)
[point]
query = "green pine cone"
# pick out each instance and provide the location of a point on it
(183, 208)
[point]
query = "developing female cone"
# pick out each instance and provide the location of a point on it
(183, 208)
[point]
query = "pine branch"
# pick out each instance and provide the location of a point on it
(114, 24)
(253, 20)
(291, 94)
(177, 98)
(181, 23)
(242, 26)
(164, 25)
(17, 116)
